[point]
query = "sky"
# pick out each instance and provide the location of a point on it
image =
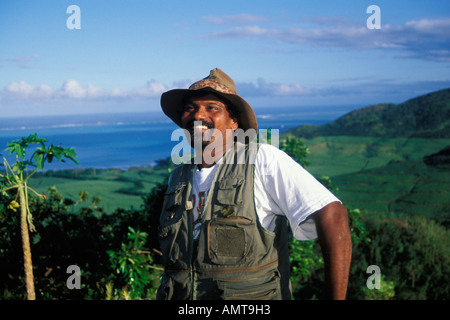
(119, 56)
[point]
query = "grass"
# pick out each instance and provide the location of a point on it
(386, 175)
(333, 156)
(116, 188)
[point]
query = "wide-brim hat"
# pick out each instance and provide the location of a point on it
(219, 83)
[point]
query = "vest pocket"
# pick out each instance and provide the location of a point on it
(168, 243)
(174, 195)
(263, 288)
(229, 240)
(170, 223)
(229, 190)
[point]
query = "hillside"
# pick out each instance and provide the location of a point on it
(394, 175)
(115, 188)
(402, 187)
(427, 116)
(387, 157)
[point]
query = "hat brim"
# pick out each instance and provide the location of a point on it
(172, 106)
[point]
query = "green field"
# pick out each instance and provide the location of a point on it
(337, 155)
(377, 174)
(116, 188)
(384, 174)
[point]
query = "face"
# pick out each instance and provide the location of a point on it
(213, 115)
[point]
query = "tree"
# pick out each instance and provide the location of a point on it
(16, 177)
(295, 148)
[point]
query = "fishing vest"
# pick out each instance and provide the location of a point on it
(234, 257)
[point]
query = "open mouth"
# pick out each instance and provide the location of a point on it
(200, 126)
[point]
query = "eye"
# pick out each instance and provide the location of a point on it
(214, 107)
(188, 108)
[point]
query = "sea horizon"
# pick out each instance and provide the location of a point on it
(125, 140)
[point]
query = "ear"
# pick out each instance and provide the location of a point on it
(234, 124)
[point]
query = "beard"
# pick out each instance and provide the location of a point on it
(204, 137)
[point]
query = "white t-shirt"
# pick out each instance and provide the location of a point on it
(281, 187)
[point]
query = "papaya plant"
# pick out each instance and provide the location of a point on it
(16, 176)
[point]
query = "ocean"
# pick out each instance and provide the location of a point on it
(132, 139)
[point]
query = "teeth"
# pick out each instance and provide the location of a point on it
(201, 127)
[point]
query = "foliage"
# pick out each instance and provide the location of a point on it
(385, 292)
(306, 265)
(295, 148)
(16, 177)
(411, 251)
(63, 238)
(132, 263)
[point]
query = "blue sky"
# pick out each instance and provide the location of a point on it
(280, 53)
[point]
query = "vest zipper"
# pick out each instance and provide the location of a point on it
(190, 228)
(191, 255)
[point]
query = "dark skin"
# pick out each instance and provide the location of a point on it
(331, 221)
(336, 244)
(213, 114)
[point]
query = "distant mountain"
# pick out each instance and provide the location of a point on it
(427, 116)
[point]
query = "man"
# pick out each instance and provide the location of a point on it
(223, 226)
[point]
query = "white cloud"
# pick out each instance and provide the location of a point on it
(263, 88)
(72, 89)
(438, 27)
(152, 89)
(118, 93)
(22, 90)
(234, 19)
(243, 32)
(423, 39)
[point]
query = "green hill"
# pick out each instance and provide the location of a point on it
(402, 187)
(427, 116)
(396, 175)
(387, 157)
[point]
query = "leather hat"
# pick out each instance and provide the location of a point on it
(219, 83)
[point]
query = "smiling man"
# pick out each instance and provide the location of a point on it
(224, 223)
(208, 122)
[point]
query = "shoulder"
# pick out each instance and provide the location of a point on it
(178, 172)
(271, 155)
(269, 151)
(273, 162)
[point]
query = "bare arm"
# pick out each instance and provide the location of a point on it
(336, 244)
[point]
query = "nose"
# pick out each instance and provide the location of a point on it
(200, 114)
